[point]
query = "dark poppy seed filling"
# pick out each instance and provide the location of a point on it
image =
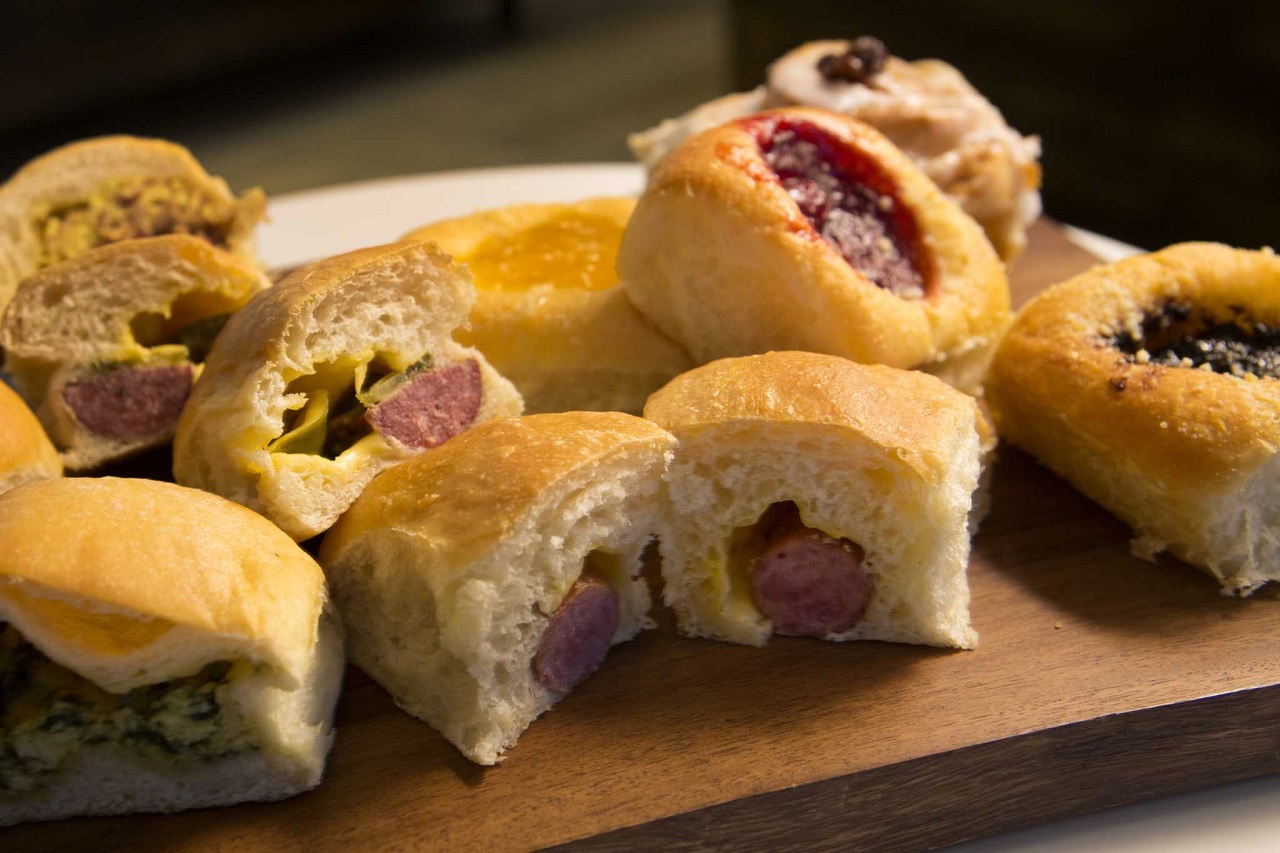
(848, 200)
(1174, 336)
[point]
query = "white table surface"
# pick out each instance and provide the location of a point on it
(1239, 818)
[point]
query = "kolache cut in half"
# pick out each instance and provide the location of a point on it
(25, 451)
(174, 652)
(926, 108)
(105, 346)
(112, 188)
(483, 581)
(1153, 386)
(811, 496)
(342, 370)
(550, 314)
(799, 229)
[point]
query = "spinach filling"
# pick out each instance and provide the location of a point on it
(47, 713)
(334, 418)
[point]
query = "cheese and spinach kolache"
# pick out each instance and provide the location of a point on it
(812, 496)
(105, 346)
(102, 190)
(174, 652)
(482, 582)
(343, 369)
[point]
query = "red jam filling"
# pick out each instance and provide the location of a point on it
(849, 201)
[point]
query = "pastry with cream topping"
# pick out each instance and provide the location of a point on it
(927, 108)
(1153, 386)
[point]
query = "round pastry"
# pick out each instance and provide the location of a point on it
(1153, 386)
(25, 451)
(812, 496)
(549, 313)
(105, 346)
(161, 649)
(112, 188)
(799, 229)
(480, 583)
(927, 108)
(343, 369)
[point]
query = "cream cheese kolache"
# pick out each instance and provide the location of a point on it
(343, 369)
(483, 581)
(812, 496)
(1153, 386)
(175, 652)
(113, 188)
(801, 229)
(105, 346)
(927, 108)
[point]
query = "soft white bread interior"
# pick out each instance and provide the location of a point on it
(549, 313)
(25, 451)
(884, 458)
(129, 584)
(394, 304)
(120, 305)
(1181, 449)
(113, 187)
(448, 569)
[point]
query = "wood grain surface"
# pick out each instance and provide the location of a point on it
(1099, 680)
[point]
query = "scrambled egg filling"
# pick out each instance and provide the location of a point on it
(48, 713)
(574, 250)
(133, 207)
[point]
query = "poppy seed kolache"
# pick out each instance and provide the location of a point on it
(799, 229)
(1153, 386)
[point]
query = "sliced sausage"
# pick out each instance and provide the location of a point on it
(432, 407)
(129, 403)
(810, 584)
(578, 636)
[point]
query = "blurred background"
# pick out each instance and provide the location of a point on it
(1158, 121)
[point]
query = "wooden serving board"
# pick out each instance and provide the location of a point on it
(1100, 680)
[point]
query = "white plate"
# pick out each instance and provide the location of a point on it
(309, 225)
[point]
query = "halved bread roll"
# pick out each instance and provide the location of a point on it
(549, 313)
(799, 229)
(813, 496)
(1153, 386)
(25, 451)
(343, 369)
(112, 188)
(105, 346)
(482, 582)
(162, 649)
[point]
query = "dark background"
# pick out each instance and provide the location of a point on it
(1159, 123)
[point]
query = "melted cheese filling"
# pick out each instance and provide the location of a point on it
(571, 251)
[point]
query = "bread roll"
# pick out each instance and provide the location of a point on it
(163, 649)
(25, 451)
(549, 314)
(817, 497)
(799, 229)
(927, 108)
(481, 582)
(343, 369)
(105, 346)
(101, 190)
(1153, 386)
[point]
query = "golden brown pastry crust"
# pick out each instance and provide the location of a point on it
(1164, 448)
(721, 258)
(26, 453)
(564, 348)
